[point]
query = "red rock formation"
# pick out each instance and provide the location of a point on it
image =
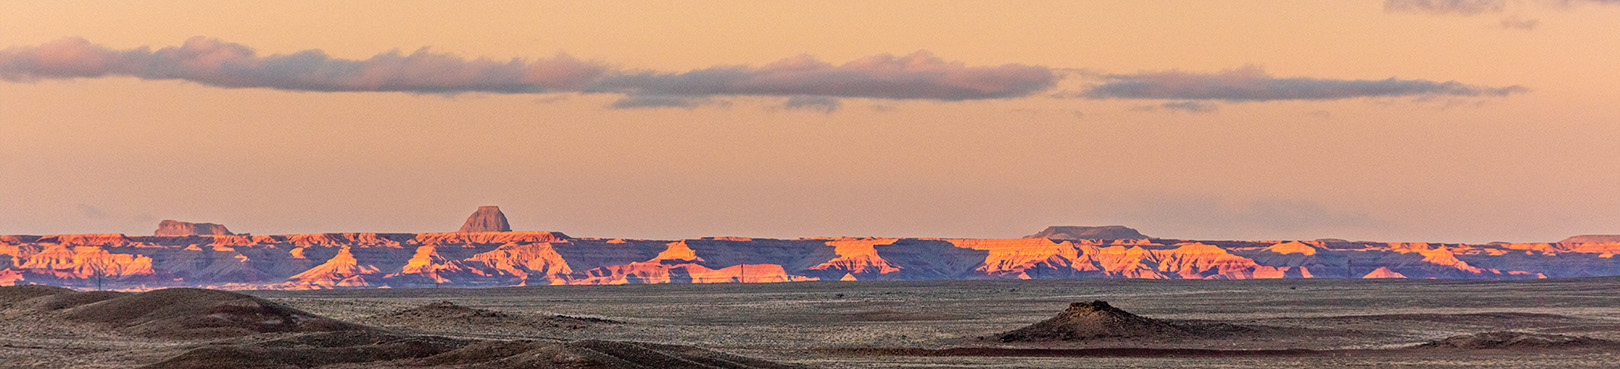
(857, 256)
(484, 259)
(179, 228)
(339, 271)
(486, 219)
(524, 262)
(1383, 272)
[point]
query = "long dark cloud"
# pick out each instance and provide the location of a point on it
(919, 76)
(803, 81)
(223, 64)
(1254, 84)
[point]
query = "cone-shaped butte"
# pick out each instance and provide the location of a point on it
(1093, 320)
(486, 219)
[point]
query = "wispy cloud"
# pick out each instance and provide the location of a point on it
(208, 61)
(1519, 22)
(662, 101)
(1251, 83)
(1195, 107)
(1445, 7)
(817, 103)
(91, 212)
(1516, 21)
(1476, 7)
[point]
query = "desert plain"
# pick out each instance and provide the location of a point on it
(1549, 323)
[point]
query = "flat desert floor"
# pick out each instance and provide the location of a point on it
(957, 324)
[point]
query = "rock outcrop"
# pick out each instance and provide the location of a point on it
(486, 219)
(178, 228)
(1113, 232)
(1094, 320)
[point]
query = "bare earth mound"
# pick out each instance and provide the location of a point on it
(188, 313)
(1518, 340)
(14, 296)
(1093, 320)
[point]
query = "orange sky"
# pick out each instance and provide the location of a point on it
(117, 153)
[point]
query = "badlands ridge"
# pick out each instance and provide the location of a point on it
(487, 254)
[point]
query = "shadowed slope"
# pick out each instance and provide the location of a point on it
(1518, 340)
(197, 313)
(383, 350)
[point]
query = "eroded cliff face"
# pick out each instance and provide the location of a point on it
(487, 259)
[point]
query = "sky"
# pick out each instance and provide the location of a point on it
(1398, 120)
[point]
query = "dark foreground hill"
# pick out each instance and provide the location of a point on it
(219, 329)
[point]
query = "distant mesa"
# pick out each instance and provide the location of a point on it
(1112, 232)
(179, 228)
(486, 219)
(1592, 238)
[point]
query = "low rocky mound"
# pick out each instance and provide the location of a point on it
(1093, 320)
(1088, 233)
(445, 314)
(383, 350)
(188, 313)
(1517, 340)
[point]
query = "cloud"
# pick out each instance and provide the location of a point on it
(91, 212)
(223, 64)
(208, 61)
(1519, 22)
(1251, 83)
(1466, 8)
(919, 76)
(1195, 107)
(661, 101)
(818, 103)
(803, 81)
(1445, 7)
